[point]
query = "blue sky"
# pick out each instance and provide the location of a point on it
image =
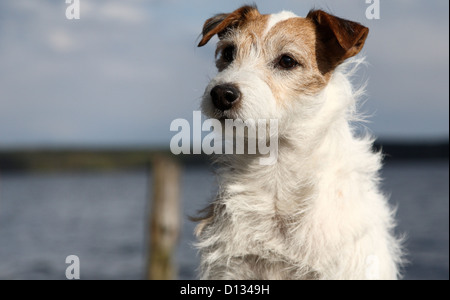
(126, 69)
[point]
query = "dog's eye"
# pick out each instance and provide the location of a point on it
(287, 63)
(228, 54)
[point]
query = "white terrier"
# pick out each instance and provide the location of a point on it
(317, 212)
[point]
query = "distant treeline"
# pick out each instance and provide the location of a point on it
(48, 160)
(414, 151)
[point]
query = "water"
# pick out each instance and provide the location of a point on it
(101, 217)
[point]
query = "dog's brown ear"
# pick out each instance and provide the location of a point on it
(220, 23)
(339, 38)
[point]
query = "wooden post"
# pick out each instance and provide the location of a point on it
(165, 219)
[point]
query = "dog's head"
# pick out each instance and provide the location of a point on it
(267, 62)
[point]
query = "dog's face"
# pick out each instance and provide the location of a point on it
(267, 63)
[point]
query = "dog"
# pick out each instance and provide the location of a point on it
(317, 212)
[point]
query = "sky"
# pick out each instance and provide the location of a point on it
(126, 69)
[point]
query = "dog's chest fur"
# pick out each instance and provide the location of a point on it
(299, 219)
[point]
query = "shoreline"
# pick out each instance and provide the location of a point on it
(49, 159)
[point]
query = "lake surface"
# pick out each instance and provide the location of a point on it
(102, 218)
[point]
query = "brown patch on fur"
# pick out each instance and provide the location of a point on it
(297, 38)
(244, 38)
(255, 27)
(337, 39)
(221, 23)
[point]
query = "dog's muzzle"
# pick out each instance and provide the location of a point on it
(225, 96)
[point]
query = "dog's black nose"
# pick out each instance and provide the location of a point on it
(224, 96)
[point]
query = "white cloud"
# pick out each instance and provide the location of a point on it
(61, 41)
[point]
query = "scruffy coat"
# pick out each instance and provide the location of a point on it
(317, 212)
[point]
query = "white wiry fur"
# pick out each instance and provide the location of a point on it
(317, 213)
